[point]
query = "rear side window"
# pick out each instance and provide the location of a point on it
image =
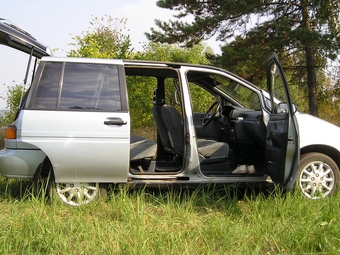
(47, 93)
(78, 86)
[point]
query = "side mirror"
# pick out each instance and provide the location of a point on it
(294, 108)
(283, 108)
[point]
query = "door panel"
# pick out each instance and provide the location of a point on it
(282, 146)
(79, 145)
(277, 131)
(77, 114)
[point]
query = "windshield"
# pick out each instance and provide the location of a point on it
(233, 91)
(241, 94)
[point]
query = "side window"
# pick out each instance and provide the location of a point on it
(201, 99)
(47, 93)
(90, 86)
(81, 87)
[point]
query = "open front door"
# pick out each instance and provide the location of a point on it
(282, 146)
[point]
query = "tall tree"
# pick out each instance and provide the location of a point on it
(104, 39)
(284, 26)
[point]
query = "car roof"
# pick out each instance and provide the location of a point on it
(146, 67)
(15, 37)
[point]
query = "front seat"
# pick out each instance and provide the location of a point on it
(208, 149)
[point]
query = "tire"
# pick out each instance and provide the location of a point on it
(75, 194)
(41, 179)
(318, 175)
(78, 193)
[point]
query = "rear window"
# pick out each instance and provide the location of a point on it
(78, 86)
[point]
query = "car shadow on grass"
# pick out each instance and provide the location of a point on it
(16, 189)
(202, 197)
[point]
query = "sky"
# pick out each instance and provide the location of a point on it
(54, 23)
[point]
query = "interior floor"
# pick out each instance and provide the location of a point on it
(174, 165)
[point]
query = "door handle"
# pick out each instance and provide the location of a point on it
(114, 121)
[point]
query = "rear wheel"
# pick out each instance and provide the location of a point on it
(75, 193)
(318, 175)
(79, 193)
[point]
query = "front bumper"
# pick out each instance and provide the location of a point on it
(15, 163)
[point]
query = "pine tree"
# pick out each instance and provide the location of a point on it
(258, 27)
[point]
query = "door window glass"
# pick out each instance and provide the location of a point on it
(90, 86)
(83, 87)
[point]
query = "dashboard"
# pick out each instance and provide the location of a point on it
(245, 126)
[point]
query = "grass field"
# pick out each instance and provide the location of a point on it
(201, 221)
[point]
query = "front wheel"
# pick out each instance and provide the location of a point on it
(318, 175)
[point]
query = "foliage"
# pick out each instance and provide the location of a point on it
(141, 89)
(251, 29)
(207, 220)
(276, 23)
(175, 53)
(105, 40)
(140, 92)
(12, 98)
(329, 98)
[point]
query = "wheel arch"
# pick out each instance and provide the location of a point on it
(331, 152)
(44, 169)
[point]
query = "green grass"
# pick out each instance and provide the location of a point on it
(201, 221)
(147, 132)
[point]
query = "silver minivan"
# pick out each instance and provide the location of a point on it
(74, 129)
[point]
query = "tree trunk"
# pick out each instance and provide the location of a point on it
(311, 77)
(311, 80)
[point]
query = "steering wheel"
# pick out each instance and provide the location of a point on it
(210, 114)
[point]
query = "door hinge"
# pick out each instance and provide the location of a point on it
(187, 138)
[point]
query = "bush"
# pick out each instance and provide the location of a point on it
(13, 97)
